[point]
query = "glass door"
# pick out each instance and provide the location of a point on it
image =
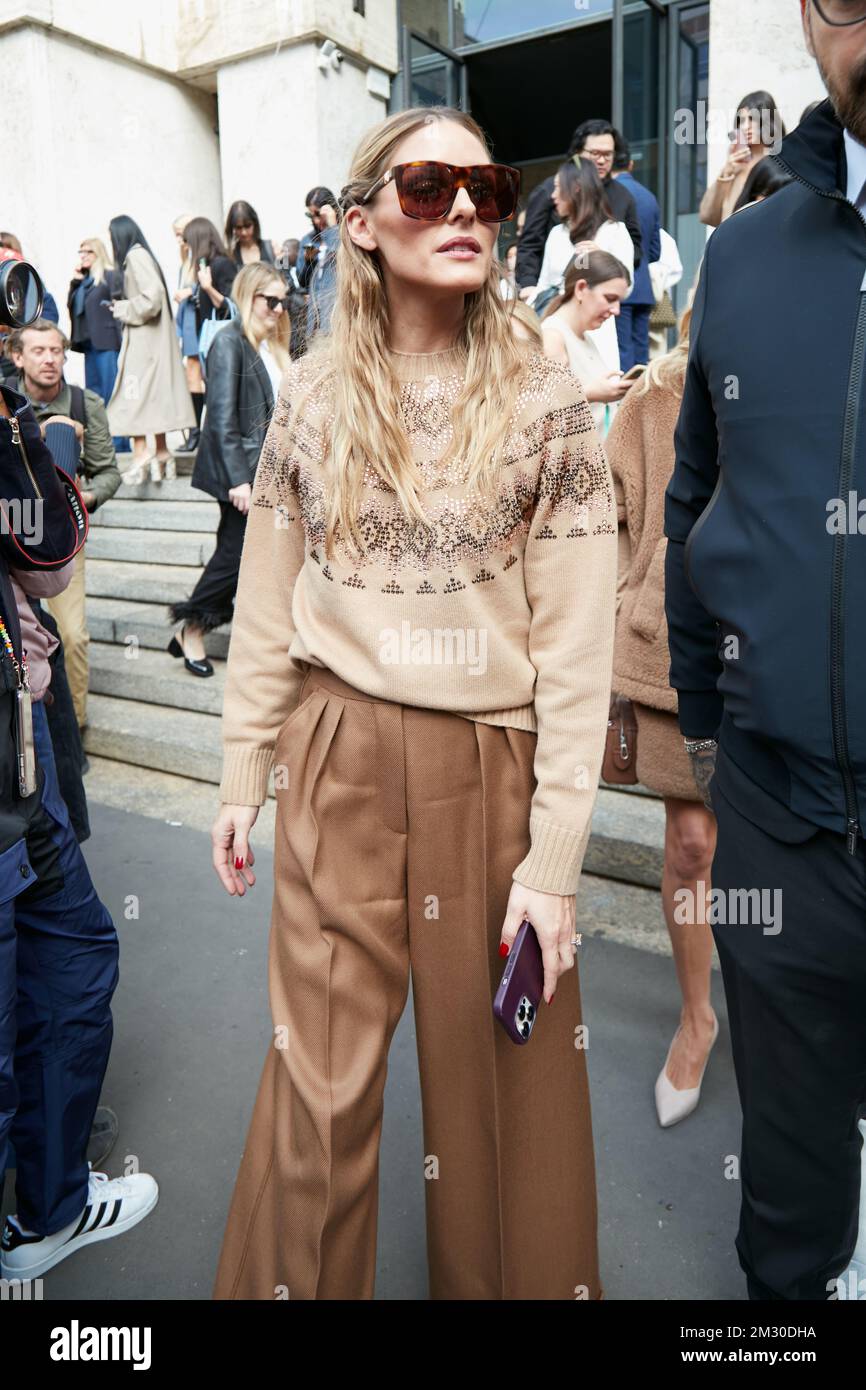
(638, 85)
(432, 75)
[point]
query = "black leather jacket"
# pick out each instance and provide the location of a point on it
(239, 405)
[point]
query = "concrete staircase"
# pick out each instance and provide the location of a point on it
(153, 736)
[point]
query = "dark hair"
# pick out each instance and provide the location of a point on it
(126, 233)
(595, 267)
(321, 197)
(11, 242)
(581, 186)
(764, 105)
(203, 240)
(15, 341)
(241, 211)
(763, 179)
(593, 127)
(622, 152)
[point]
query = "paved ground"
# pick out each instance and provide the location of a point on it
(191, 1029)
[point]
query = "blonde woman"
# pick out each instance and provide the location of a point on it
(245, 363)
(640, 447)
(421, 648)
(94, 330)
(187, 329)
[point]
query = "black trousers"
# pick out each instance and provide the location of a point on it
(211, 602)
(797, 1010)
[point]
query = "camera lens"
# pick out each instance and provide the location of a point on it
(20, 294)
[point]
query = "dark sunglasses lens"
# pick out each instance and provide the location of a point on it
(425, 190)
(493, 190)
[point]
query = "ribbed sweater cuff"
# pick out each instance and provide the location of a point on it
(554, 860)
(245, 774)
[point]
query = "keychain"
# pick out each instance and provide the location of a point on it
(25, 748)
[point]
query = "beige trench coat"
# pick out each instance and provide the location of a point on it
(150, 394)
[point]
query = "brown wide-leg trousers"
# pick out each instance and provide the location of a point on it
(398, 829)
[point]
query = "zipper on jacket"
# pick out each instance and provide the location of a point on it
(846, 468)
(19, 445)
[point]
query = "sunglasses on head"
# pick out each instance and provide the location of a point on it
(273, 301)
(426, 189)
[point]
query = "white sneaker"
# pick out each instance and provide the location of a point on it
(114, 1205)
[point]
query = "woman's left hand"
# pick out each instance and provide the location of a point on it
(240, 496)
(553, 920)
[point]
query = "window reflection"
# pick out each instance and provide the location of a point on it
(479, 21)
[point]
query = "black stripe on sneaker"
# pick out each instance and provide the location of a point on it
(118, 1203)
(103, 1207)
(82, 1223)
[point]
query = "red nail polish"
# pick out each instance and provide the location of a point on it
(239, 863)
(550, 1000)
(503, 948)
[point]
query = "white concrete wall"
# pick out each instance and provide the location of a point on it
(95, 136)
(758, 45)
(285, 126)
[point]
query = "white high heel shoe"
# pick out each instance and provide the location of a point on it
(673, 1105)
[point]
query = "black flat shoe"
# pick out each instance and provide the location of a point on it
(196, 668)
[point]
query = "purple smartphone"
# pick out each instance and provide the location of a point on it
(522, 986)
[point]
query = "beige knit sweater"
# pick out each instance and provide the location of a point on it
(501, 613)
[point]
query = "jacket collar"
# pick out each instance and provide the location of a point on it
(815, 151)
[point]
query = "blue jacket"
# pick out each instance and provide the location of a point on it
(764, 585)
(649, 217)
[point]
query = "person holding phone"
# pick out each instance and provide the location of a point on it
(759, 129)
(421, 650)
(593, 290)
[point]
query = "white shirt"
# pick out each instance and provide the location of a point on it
(272, 366)
(855, 156)
(613, 237)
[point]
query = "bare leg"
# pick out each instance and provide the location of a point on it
(192, 641)
(690, 837)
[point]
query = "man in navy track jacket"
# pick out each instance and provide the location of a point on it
(766, 610)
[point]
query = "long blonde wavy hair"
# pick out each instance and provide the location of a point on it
(368, 427)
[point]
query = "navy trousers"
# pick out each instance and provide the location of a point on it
(632, 332)
(58, 972)
(796, 995)
(100, 373)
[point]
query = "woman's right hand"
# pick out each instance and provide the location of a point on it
(230, 835)
(181, 295)
(607, 388)
(738, 155)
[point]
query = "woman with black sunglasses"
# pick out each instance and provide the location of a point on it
(245, 364)
(421, 650)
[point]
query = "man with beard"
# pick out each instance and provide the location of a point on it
(765, 586)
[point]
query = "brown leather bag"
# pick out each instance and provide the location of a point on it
(619, 765)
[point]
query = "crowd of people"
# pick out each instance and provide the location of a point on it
(408, 437)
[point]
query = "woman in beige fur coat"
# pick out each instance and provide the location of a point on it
(640, 448)
(150, 394)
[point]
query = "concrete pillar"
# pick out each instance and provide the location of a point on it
(756, 47)
(285, 126)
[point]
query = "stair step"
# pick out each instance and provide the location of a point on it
(145, 583)
(182, 742)
(133, 672)
(117, 619)
(152, 547)
(169, 490)
(627, 840)
(164, 515)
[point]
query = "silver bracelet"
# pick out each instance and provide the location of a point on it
(697, 745)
